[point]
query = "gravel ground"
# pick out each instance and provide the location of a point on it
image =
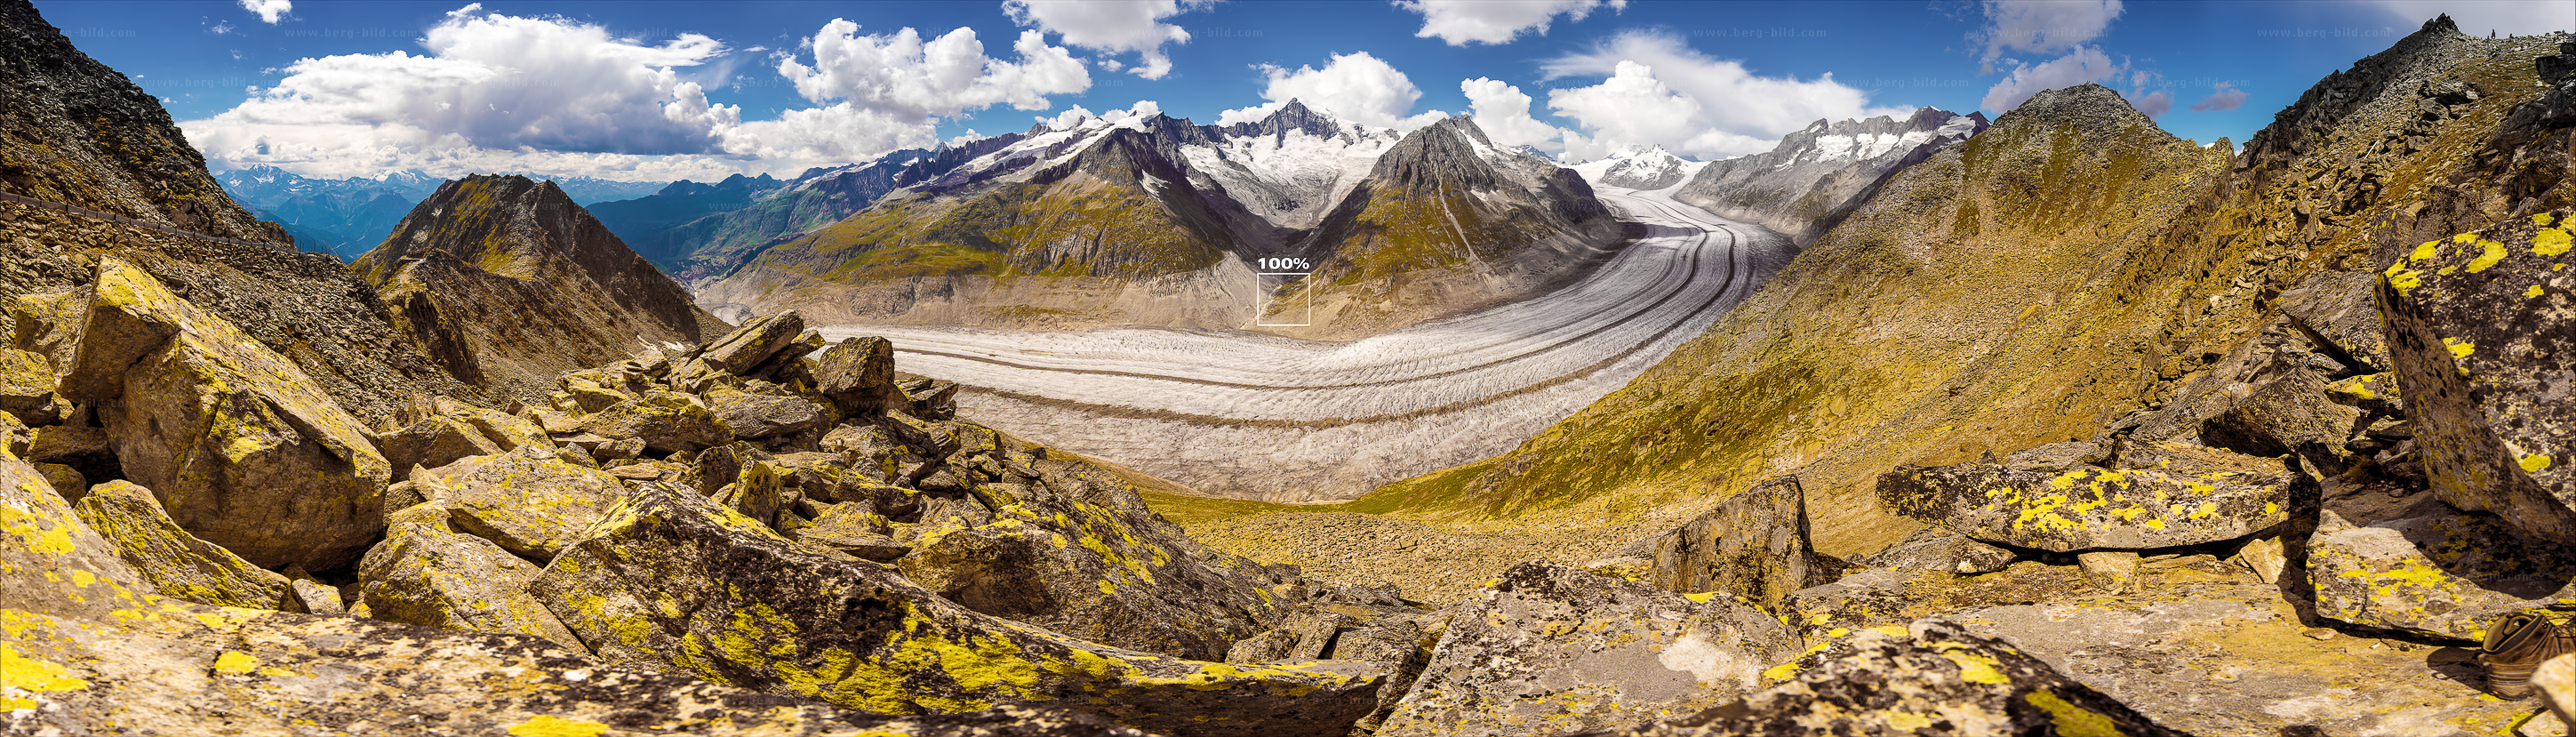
(1434, 564)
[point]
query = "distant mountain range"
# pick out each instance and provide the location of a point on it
(345, 217)
(1148, 219)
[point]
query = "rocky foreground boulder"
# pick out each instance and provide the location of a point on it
(240, 446)
(1550, 648)
(2482, 327)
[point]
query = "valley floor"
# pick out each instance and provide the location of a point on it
(1247, 415)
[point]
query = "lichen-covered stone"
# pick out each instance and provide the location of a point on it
(1075, 549)
(2556, 681)
(1551, 649)
(2482, 328)
(858, 374)
(679, 583)
(667, 422)
(929, 399)
(67, 481)
(455, 432)
(1938, 549)
(756, 416)
(1754, 545)
(2338, 310)
(1934, 678)
(427, 573)
(529, 500)
(27, 382)
(241, 447)
(2085, 508)
(747, 347)
(2373, 393)
(89, 644)
(2439, 573)
(2289, 414)
(177, 564)
(86, 449)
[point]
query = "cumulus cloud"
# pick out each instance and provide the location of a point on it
(489, 81)
(2516, 17)
(1462, 22)
(269, 11)
(2223, 96)
(1504, 112)
(499, 92)
(888, 91)
(2042, 26)
(1111, 26)
(1659, 92)
(901, 74)
(1354, 87)
(2086, 64)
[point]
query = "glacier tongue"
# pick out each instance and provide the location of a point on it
(1243, 414)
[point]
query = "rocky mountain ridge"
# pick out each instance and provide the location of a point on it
(512, 283)
(1132, 217)
(1816, 175)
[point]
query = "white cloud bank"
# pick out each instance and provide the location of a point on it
(1354, 87)
(503, 93)
(1462, 22)
(1657, 91)
(1112, 27)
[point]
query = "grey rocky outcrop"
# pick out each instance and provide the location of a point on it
(177, 564)
(2161, 496)
(1553, 648)
(1754, 545)
(1937, 676)
(241, 447)
(2481, 331)
(748, 607)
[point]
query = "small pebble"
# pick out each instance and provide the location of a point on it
(2321, 633)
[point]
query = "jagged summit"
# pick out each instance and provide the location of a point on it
(1818, 174)
(511, 282)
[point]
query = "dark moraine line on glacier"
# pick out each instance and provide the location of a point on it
(1248, 415)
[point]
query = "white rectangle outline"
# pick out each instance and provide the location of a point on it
(1263, 307)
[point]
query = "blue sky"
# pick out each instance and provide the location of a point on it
(660, 90)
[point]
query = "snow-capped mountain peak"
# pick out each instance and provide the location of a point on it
(1647, 168)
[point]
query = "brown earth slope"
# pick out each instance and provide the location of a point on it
(78, 133)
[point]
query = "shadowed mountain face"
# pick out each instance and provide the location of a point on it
(1816, 176)
(1444, 223)
(2067, 267)
(513, 283)
(1151, 220)
(78, 133)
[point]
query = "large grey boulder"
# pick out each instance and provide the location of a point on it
(1551, 648)
(177, 564)
(1754, 545)
(427, 573)
(2435, 572)
(2482, 328)
(240, 445)
(529, 501)
(2179, 496)
(858, 374)
(1937, 678)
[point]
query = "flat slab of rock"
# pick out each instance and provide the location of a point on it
(667, 422)
(177, 564)
(529, 501)
(678, 583)
(243, 449)
(1937, 549)
(2482, 327)
(2439, 574)
(1934, 677)
(2089, 507)
(1552, 648)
